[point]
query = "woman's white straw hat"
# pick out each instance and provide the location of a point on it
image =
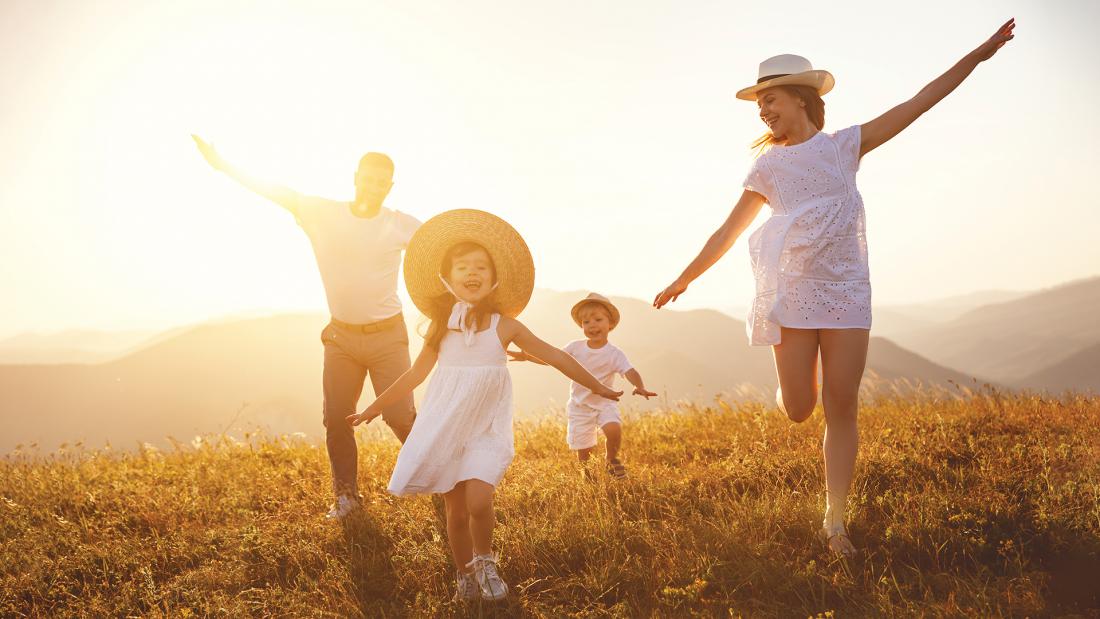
(595, 298)
(788, 70)
(515, 270)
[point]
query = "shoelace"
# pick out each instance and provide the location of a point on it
(487, 564)
(467, 583)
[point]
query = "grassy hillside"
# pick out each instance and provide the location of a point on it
(982, 505)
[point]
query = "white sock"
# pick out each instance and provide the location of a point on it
(834, 514)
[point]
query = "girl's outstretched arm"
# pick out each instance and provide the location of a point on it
(719, 243)
(400, 388)
(882, 129)
(515, 331)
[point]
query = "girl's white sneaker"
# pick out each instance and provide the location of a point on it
(488, 579)
(467, 588)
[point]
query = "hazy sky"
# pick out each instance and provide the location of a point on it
(606, 132)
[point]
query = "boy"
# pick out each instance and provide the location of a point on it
(597, 316)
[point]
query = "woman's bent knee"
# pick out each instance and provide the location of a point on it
(800, 413)
(797, 409)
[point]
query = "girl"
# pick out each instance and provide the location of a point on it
(810, 257)
(471, 273)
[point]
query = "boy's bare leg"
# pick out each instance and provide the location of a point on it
(584, 454)
(613, 431)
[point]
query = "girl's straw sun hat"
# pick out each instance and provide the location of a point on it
(595, 298)
(515, 270)
(788, 70)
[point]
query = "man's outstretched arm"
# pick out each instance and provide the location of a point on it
(283, 196)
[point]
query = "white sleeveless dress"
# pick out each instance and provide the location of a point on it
(463, 427)
(810, 256)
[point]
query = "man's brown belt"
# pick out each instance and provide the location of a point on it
(372, 327)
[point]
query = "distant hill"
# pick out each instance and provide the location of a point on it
(197, 380)
(894, 363)
(1010, 341)
(1079, 372)
(949, 308)
(71, 346)
(904, 321)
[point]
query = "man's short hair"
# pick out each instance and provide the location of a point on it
(376, 159)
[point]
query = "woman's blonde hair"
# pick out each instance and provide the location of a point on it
(815, 110)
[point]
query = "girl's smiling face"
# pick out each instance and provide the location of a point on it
(472, 275)
(780, 110)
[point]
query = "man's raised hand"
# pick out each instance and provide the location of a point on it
(209, 153)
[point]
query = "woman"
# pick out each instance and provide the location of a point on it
(813, 295)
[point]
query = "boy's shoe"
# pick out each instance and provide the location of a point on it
(467, 588)
(616, 469)
(488, 580)
(344, 506)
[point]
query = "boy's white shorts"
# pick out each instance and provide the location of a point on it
(584, 421)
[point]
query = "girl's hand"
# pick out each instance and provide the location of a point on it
(519, 355)
(1003, 35)
(609, 394)
(669, 294)
(645, 393)
(358, 418)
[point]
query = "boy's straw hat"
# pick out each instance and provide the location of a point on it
(595, 298)
(515, 271)
(788, 70)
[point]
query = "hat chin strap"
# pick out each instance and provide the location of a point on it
(457, 320)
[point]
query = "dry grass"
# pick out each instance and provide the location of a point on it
(983, 505)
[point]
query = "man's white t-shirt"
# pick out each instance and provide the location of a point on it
(603, 363)
(359, 258)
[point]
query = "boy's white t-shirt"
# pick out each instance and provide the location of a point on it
(604, 363)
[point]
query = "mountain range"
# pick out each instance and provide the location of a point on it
(265, 372)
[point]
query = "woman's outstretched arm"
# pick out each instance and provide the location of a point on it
(884, 128)
(719, 243)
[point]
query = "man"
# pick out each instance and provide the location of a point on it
(358, 248)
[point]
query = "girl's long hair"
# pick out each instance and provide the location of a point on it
(815, 109)
(440, 310)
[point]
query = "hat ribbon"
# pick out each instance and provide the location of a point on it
(457, 321)
(771, 77)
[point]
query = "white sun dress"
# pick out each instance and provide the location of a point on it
(810, 257)
(463, 427)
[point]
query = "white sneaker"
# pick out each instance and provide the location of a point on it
(342, 508)
(467, 589)
(487, 578)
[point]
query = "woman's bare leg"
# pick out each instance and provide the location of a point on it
(843, 358)
(458, 527)
(796, 368)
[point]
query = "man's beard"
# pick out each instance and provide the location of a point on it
(369, 200)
